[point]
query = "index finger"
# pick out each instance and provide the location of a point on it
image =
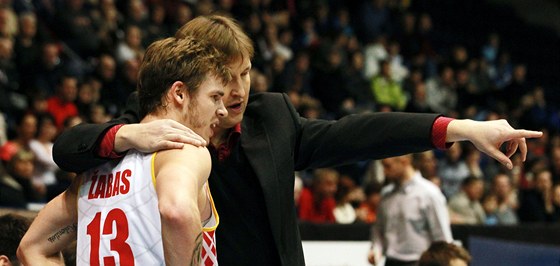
(522, 133)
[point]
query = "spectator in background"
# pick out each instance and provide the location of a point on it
(27, 49)
(108, 26)
(556, 201)
(269, 46)
(131, 47)
(329, 83)
(374, 19)
(465, 206)
(8, 22)
(555, 163)
(506, 199)
(398, 70)
(106, 74)
(411, 216)
(344, 212)
(25, 132)
(156, 29)
(136, 14)
(61, 105)
(517, 86)
(19, 188)
(536, 204)
(51, 68)
(12, 194)
(76, 27)
(183, 13)
(299, 74)
(277, 74)
(367, 211)
(375, 52)
(537, 113)
(473, 161)
(357, 84)
(489, 204)
(441, 92)
(418, 102)
(12, 229)
(491, 49)
(9, 77)
(452, 169)
(88, 95)
(259, 82)
(126, 82)
(317, 203)
(98, 114)
(38, 104)
(426, 162)
(386, 91)
(443, 253)
(44, 165)
(467, 93)
(459, 58)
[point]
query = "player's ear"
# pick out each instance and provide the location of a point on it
(4, 260)
(178, 92)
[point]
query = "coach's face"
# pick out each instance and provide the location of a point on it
(237, 93)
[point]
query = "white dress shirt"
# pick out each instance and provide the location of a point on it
(410, 218)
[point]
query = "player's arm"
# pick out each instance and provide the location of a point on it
(52, 230)
(180, 176)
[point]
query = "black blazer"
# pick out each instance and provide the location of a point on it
(277, 142)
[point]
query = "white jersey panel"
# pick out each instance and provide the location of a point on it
(118, 216)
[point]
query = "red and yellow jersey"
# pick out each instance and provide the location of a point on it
(118, 217)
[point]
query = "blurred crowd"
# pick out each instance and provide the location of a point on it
(63, 62)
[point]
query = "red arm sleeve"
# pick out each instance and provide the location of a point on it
(439, 132)
(106, 148)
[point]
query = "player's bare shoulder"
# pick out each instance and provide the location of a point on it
(189, 158)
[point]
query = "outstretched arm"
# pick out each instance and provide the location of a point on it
(54, 228)
(489, 136)
(180, 176)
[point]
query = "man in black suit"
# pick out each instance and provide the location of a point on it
(257, 148)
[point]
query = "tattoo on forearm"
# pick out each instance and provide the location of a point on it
(197, 250)
(66, 230)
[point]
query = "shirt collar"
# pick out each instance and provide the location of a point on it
(409, 185)
(224, 150)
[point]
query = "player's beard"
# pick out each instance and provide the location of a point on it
(193, 116)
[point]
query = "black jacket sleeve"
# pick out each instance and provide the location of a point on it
(362, 137)
(75, 150)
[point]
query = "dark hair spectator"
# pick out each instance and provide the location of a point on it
(441, 253)
(12, 229)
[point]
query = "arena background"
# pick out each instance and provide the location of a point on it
(529, 33)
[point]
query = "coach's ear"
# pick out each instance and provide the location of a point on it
(178, 93)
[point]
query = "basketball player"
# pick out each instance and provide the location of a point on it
(113, 209)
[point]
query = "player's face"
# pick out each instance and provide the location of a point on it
(206, 108)
(237, 93)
